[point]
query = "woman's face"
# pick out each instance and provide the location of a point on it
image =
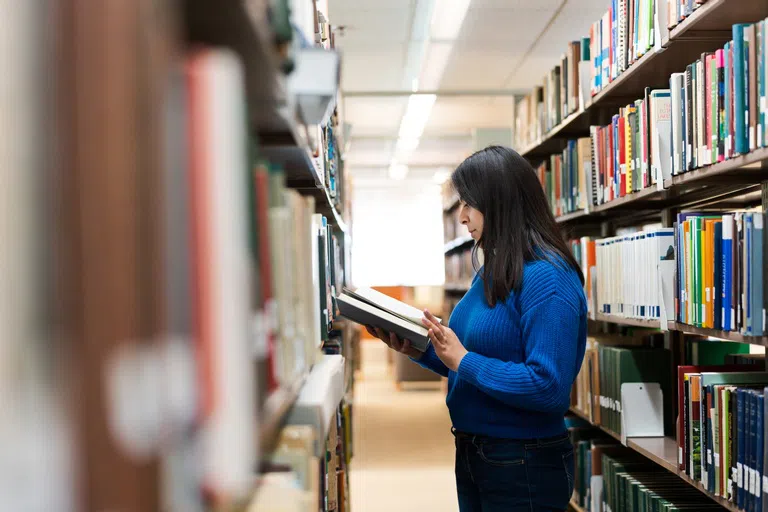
(471, 218)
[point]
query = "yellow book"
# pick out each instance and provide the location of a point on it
(630, 164)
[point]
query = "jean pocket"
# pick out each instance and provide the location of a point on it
(502, 453)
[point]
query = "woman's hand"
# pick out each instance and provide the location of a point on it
(393, 342)
(447, 345)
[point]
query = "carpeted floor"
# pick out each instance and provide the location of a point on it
(404, 451)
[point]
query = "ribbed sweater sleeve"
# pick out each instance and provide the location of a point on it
(430, 361)
(550, 331)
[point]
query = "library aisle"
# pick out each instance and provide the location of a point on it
(403, 445)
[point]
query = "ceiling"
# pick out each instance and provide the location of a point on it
(503, 48)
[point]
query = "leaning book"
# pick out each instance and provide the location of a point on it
(369, 307)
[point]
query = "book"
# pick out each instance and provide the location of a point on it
(369, 307)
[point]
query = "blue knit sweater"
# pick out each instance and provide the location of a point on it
(524, 355)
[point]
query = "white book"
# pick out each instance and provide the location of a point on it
(676, 85)
(229, 449)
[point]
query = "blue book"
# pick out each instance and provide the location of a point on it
(752, 448)
(597, 58)
(742, 408)
(740, 90)
(764, 498)
(727, 286)
(717, 281)
(759, 435)
(756, 274)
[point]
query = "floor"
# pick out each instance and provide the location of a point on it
(404, 451)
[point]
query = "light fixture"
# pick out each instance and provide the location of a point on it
(398, 171)
(441, 175)
(438, 54)
(416, 115)
(447, 17)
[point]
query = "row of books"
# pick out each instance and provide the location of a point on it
(459, 269)
(609, 476)
(721, 438)
(556, 98)
(563, 177)
(721, 275)
(265, 267)
(713, 111)
(629, 272)
(719, 101)
(707, 271)
(583, 249)
(299, 480)
(613, 360)
(620, 37)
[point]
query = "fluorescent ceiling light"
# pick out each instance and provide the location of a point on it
(438, 54)
(405, 148)
(398, 171)
(447, 17)
(416, 115)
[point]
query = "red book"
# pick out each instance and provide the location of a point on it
(622, 156)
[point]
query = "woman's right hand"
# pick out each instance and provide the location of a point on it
(392, 341)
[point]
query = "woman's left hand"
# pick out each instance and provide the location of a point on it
(447, 345)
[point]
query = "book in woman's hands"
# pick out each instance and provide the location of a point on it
(369, 307)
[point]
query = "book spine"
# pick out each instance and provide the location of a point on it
(741, 141)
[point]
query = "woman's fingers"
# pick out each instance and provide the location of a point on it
(371, 331)
(382, 335)
(394, 342)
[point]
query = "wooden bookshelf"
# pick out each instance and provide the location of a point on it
(274, 413)
(708, 28)
(571, 216)
(661, 451)
(752, 167)
(458, 243)
(717, 333)
(621, 320)
(457, 287)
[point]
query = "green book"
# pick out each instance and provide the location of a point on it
(641, 364)
(709, 352)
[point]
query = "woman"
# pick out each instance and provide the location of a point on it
(514, 343)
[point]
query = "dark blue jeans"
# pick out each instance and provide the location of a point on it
(495, 475)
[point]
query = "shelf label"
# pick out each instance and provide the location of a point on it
(717, 460)
(709, 456)
(740, 475)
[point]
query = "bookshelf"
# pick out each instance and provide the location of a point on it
(170, 276)
(737, 183)
(456, 244)
(663, 452)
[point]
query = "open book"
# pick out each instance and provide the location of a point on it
(369, 307)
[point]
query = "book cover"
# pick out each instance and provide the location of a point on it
(660, 135)
(740, 92)
(720, 125)
(717, 280)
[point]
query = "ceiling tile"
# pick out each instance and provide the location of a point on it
(506, 26)
(515, 4)
(373, 67)
(375, 25)
(374, 115)
(478, 69)
(458, 115)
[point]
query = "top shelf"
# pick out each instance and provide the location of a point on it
(274, 117)
(707, 29)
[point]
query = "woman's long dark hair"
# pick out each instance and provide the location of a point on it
(518, 223)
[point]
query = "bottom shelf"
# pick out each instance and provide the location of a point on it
(662, 451)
